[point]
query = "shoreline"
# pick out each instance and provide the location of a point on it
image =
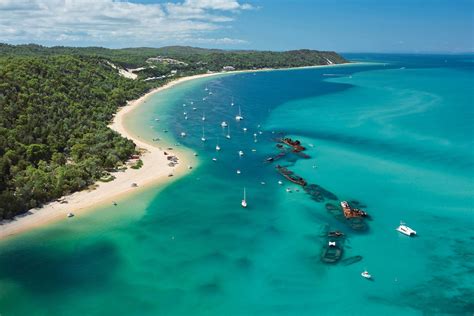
(155, 169)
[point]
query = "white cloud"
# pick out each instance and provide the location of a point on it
(116, 23)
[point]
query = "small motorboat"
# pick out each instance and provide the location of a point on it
(404, 229)
(244, 129)
(288, 190)
(280, 182)
(238, 171)
(214, 159)
(241, 153)
(224, 124)
(194, 109)
(183, 134)
(366, 275)
(195, 154)
(70, 215)
(218, 148)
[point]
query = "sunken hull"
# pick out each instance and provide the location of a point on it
(331, 254)
(290, 176)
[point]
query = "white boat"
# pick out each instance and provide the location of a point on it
(232, 103)
(206, 89)
(185, 117)
(366, 275)
(214, 159)
(244, 201)
(183, 134)
(157, 119)
(288, 190)
(238, 171)
(241, 153)
(228, 132)
(194, 109)
(203, 138)
(195, 154)
(239, 117)
(184, 104)
(203, 117)
(244, 129)
(224, 124)
(70, 215)
(192, 102)
(185, 113)
(404, 229)
(218, 148)
(280, 182)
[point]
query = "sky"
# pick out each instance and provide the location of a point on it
(409, 26)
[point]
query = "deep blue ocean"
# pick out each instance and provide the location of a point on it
(395, 133)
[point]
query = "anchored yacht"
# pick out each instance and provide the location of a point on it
(404, 229)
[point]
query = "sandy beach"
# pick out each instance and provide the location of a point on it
(155, 171)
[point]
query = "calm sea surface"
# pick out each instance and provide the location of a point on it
(396, 135)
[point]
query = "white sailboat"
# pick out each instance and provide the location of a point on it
(228, 132)
(244, 200)
(224, 124)
(203, 116)
(239, 117)
(241, 153)
(218, 148)
(203, 138)
(232, 103)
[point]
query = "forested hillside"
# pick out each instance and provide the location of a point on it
(53, 126)
(210, 59)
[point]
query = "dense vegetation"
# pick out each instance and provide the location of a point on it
(210, 59)
(53, 127)
(55, 104)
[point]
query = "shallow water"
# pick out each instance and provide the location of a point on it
(397, 136)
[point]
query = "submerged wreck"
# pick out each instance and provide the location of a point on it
(294, 144)
(350, 212)
(289, 175)
(333, 249)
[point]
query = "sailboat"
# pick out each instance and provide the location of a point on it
(241, 153)
(228, 132)
(218, 148)
(232, 103)
(203, 138)
(239, 117)
(244, 201)
(224, 124)
(203, 116)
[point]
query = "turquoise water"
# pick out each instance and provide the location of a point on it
(396, 136)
